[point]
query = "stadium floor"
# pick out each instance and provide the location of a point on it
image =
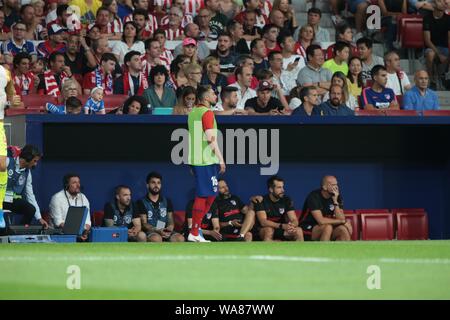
(409, 270)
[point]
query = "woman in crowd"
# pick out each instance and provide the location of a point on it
(288, 12)
(354, 77)
(177, 76)
(115, 21)
(343, 33)
(305, 39)
(130, 42)
(186, 100)
(193, 74)
(158, 94)
(211, 74)
(134, 105)
(341, 80)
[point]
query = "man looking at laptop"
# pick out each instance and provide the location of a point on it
(70, 196)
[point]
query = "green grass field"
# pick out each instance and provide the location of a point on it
(281, 270)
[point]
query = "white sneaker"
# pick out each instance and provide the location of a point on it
(192, 238)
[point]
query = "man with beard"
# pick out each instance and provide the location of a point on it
(235, 218)
(121, 212)
(229, 100)
(226, 56)
(156, 212)
(78, 54)
(323, 216)
(275, 214)
(50, 82)
(378, 96)
(334, 106)
(204, 155)
(264, 103)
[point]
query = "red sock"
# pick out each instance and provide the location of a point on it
(198, 212)
(209, 202)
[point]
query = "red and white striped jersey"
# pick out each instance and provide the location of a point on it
(173, 35)
(167, 54)
(192, 6)
(112, 27)
(147, 66)
(152, 23)
(117, 25)
(266, 7)
(187, 18)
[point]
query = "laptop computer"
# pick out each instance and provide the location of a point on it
(74, 223)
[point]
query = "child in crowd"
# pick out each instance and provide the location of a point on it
(95, 104)
(73, 106)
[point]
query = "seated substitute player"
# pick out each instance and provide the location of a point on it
(275, 215)
(236, 219)
(209, 227)
(156, 212)
(121, 212)
(323, 215)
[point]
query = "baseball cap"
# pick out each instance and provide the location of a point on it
(189, 41)
(265, 85)
(55, 29)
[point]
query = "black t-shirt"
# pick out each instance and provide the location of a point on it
(230, 208)
(315, 201)
(273, 104)
(140, 207)
(76, 66)
(207, 219)
(241, 47)
(118, 84)
(438, 29)
(109, 214)
(275, 211)
(393, 5)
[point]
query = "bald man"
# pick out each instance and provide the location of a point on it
(420, 97)
(323, 215)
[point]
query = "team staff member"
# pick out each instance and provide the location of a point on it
(273, 212)
(323, 215)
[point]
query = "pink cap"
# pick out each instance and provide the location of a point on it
(189, 41)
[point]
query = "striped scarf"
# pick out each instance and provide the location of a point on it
(128, 85)
(50, 83)
(24, 83)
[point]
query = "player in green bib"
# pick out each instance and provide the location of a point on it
(204, 157)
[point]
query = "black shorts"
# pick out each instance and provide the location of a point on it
(307, 230)
(278, 234)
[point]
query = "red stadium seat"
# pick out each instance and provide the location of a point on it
(21, 111)
(36, 100)
(179, 217)
(411, 36)
(353, 218)
(377, 226)
(113, 101)
(97, 218)
(376, 112)
(437, 113)
(298, 213)
(359, 211)
(407, 113)
(408, 210)
(412, 225)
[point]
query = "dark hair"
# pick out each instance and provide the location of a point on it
(102, 8)
(107, 56)
(226, 92)
(267, 27)
(149, 41)
(238, 71)
(174, 66)
(242, 58)
(153, 174)
(73, 103)
(283, 36)
(368, 42)
(272, 54)
(359, 80)
(140, 12)
(184, 91)
(263, 74)
(19, 57)
(254, 43)
(339, 46)
(160, 31)
(23, 7)
(310, 50)
(159, 69)
(232, 25)
(340, 30)
(67, 178)
(315, 10)
(60, 9)
(130, 55)
(224, 34)
(29, 152)
(201, 92)
(136, 37)
(119, 188)
(140, 99)
(272, 179)
(304, 92)
(53, 55)
(377, 69)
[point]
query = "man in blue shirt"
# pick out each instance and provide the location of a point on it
(17, 43)
(420, 97)
(335, 105)
(310, 100)
(378, 96)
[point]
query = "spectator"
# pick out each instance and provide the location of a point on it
(258, 54)
(25, 81)
(51, 80)
(218, 20)
(87, 8)
(313, 74)
(63, 13)
(270, 34)
(309, 102)
(229, 8)
(124, 8)
(283, 80)
(378, 96)
(187, 18)
(193, 74)
(102, 76)
(32, 22)
(133, 81)
(354, 77)
(397, 79)
(344, 33)
(55, 42)
(177, 76)
(244, 78)
(140, 18)
(93, 34)
(339, 62)
(130, 42)
(11, 10)
(141, 7)
(265, 6)
(19, 196)
(5, 32)
(70, 88)
(336, 105)
(122, 212)
(134, 105)
(228, 102)
(70, 196)
(421, 7)
(209, 227)
(190, 49)
(156, 212)
(160, 35)
(153, 56)
(252, 5)
(323, 215)
(244, 60)
(39, 66)
(99, 48)
(286, 9)
(292, 62)
(251, 31)
(185, 101)
(103, 21)
(320, 34)
(51, 11)
(239, 43)
(305, 39)
(77, 55)
(336, 6)
(277, 18)
(158, 94)
(95, 103)
(421, 97)
(436, 33)
(359, 8)
(191, 30)
(39, 6)
(236, 219)
(390, 10)
(72, 106)
(114, 19)
(340, 79)
(212, 76)
(275, 215)
(369, 60)
(17, 43)
(264, 103)
(226, 56)
(203, 20)
(173, 28)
